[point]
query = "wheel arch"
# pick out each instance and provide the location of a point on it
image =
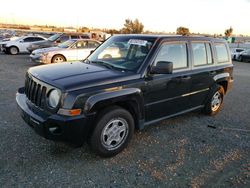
(129, 99)
(58, 55)
(13, 46)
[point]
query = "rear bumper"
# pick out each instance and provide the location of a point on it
(54, 127)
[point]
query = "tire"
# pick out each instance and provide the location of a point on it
(122, 124)
(13, 50)
(58, 59)
(240, 59)
(215, 100)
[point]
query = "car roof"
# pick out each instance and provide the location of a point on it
(85, 40)
(174, 37)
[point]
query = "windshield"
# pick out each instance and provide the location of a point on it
(125, 53)
(54, 37)
(66, 44)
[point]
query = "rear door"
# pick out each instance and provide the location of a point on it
(82, 49)
(27, 41)
(203, 70)
(167, 94)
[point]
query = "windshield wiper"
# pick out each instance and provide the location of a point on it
(107, 65)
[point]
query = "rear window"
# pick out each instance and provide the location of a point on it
(222, 54)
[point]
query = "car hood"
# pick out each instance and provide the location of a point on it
(78, 75)
(45, 50)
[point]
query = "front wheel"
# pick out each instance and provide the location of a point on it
(58, 59)
(215, 101)
(13, 50)
(114, 129)
(240, 59)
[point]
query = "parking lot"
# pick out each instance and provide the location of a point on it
(191, 150)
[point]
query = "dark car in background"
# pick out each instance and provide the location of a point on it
(245, 56)
(55, 39)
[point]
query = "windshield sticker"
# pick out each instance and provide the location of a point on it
(137, 42)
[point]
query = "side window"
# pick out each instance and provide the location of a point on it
(81, 44)
(28, 39)
(176, 53)
(202, 54)
(63, 38)
(92, 44)
(37, 39)
(222, 54)
(74, 37)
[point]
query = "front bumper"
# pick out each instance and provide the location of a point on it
(53, 126)
(37, 58)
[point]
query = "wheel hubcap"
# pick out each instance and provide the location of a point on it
(58, 59)
(114, 133)
(216, 101)
(13, 51)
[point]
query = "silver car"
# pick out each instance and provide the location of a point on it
(71, 50)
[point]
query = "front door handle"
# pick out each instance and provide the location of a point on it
(185, 78)
(212, 72)
(182, 79)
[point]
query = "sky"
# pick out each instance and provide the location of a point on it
(203, 16)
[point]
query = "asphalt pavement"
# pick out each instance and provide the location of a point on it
(192, 150)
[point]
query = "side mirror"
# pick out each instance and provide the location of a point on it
(92, 51)
(162, 67)
(21, 41)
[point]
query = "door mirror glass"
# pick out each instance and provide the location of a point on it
(162, 67)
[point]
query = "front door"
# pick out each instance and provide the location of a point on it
(168, 94)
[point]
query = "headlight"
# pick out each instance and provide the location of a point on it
(54, 97)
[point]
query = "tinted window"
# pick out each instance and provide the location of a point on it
(239, 50)
(84, 37)
(202, 54)
(176, 53)
(37, 39)
(63, 38)
(74, 37)
(28, 39)
(222, 54)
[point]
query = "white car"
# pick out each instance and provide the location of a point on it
(71, 50)
(20, 44)
(235, 52)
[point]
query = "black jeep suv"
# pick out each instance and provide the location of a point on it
(127, 83)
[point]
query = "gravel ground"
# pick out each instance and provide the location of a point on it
(191, 150)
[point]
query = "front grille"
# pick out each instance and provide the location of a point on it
(35, 91)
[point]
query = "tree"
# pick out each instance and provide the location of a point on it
(182, 31)
(131, 26)
(229, 32)
(112, 31)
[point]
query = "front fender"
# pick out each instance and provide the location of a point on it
(114, 96)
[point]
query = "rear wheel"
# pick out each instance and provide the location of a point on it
(58, 59)
(13, 50)
(114, 129)
(215, 101)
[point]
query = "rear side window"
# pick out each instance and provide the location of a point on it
(202, 54)
(222, 54)
(176, 53)
(92, 44)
